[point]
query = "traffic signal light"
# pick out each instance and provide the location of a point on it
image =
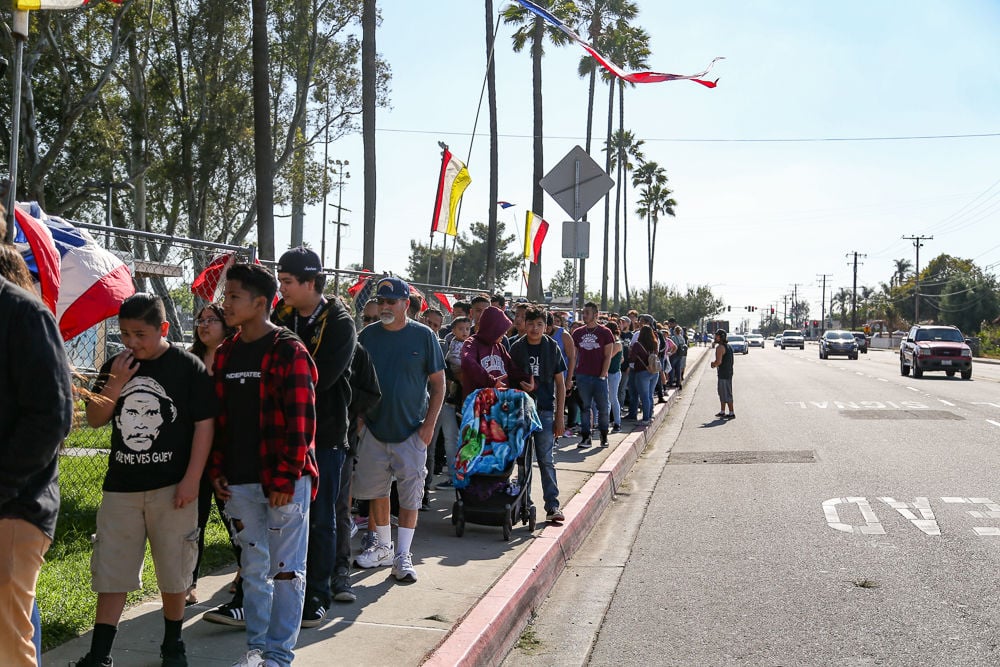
(772, 310)
(728, 308)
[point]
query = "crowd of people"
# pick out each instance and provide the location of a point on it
(288, 418)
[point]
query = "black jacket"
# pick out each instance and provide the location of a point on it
(36, 408)
(366, 393)
(330, 340)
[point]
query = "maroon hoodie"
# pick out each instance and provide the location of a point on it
(484, 358)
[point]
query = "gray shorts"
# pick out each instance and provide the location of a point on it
(725, 390)
(379, 462)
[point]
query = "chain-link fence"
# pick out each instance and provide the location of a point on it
(168, 266)
(160, 264)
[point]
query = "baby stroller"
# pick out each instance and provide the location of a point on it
(495, 442)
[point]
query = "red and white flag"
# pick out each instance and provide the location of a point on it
(535, 230)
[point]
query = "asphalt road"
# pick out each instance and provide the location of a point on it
(848, 516)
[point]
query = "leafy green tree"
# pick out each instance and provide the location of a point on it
(469, 266)
(562, 283)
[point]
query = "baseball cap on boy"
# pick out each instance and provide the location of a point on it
(392, 288)
(300, 261)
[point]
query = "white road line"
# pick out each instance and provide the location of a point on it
(881, 379)
(997, 424)
(946, 402)
(858, 373)
(914, 389)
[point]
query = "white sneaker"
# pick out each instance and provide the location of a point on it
(402, 568)
(377, 555)
(253, 658)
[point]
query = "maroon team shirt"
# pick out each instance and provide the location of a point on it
(590, 349)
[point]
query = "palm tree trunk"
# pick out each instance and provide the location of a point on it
(621, 157)
(651, 239)
(607, 197)
(369, 64)
(491, 86)
(263, 155)
(537, 194)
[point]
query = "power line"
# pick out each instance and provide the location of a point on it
(718, 140)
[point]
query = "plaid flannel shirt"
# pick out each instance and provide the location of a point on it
(287, 415)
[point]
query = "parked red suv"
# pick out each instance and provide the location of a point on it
(935, 348)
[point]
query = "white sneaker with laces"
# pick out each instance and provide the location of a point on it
(253, 658)
(376, 555)
(402, 567)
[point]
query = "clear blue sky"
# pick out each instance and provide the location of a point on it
(753, 217)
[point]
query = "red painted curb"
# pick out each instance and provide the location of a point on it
(486, 633)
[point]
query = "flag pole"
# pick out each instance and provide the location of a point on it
(468, 159)
(19, 30)
(430, 254)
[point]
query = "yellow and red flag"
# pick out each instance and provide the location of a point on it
(452, 182)
(32, 5)
(535, 229)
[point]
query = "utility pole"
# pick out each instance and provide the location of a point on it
(795, 302)
(916, 274)
(784, 313)
(854, 289)
(822, 300)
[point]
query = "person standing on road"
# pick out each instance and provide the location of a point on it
(327, 330)
(410, 368)
(724, 365)
(594, 348)
(35, 417)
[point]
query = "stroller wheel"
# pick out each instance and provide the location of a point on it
(531, 519)
(459, 527)
(507, 526)
(456, 509)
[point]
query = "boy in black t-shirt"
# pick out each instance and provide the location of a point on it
(160, 404)
(537, 355)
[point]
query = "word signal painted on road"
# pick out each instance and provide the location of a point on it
(919, 513)
(859, 405)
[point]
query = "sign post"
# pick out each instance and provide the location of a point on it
(576, 183)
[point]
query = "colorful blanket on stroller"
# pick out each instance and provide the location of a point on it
(496, 424)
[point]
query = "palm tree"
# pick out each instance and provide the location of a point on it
(594, 16)
(902, 267)
(532, 29)
(655, 200)
(842, 297)
(263, 151)
(369, 74)
(625, 152)
(491, 85)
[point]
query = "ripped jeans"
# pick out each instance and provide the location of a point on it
(274, 541)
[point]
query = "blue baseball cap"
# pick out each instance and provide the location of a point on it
(392, 288)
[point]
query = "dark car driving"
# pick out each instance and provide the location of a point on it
(838, 342)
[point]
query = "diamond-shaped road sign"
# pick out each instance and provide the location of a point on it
(562, 183)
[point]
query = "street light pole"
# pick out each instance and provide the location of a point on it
(340, 198)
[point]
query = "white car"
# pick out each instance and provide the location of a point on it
(755, 340)
(793, 338)
(777, 340)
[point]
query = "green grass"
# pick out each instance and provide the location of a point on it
(65, 599)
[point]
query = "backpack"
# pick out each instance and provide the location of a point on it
(653, 364)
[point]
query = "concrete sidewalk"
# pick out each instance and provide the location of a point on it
(474, 593)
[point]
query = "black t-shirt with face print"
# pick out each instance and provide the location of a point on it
(153, 422)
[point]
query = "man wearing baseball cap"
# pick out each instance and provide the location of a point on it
(327, 330)
(410, 368)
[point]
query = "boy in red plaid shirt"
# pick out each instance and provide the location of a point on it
(263, 460)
